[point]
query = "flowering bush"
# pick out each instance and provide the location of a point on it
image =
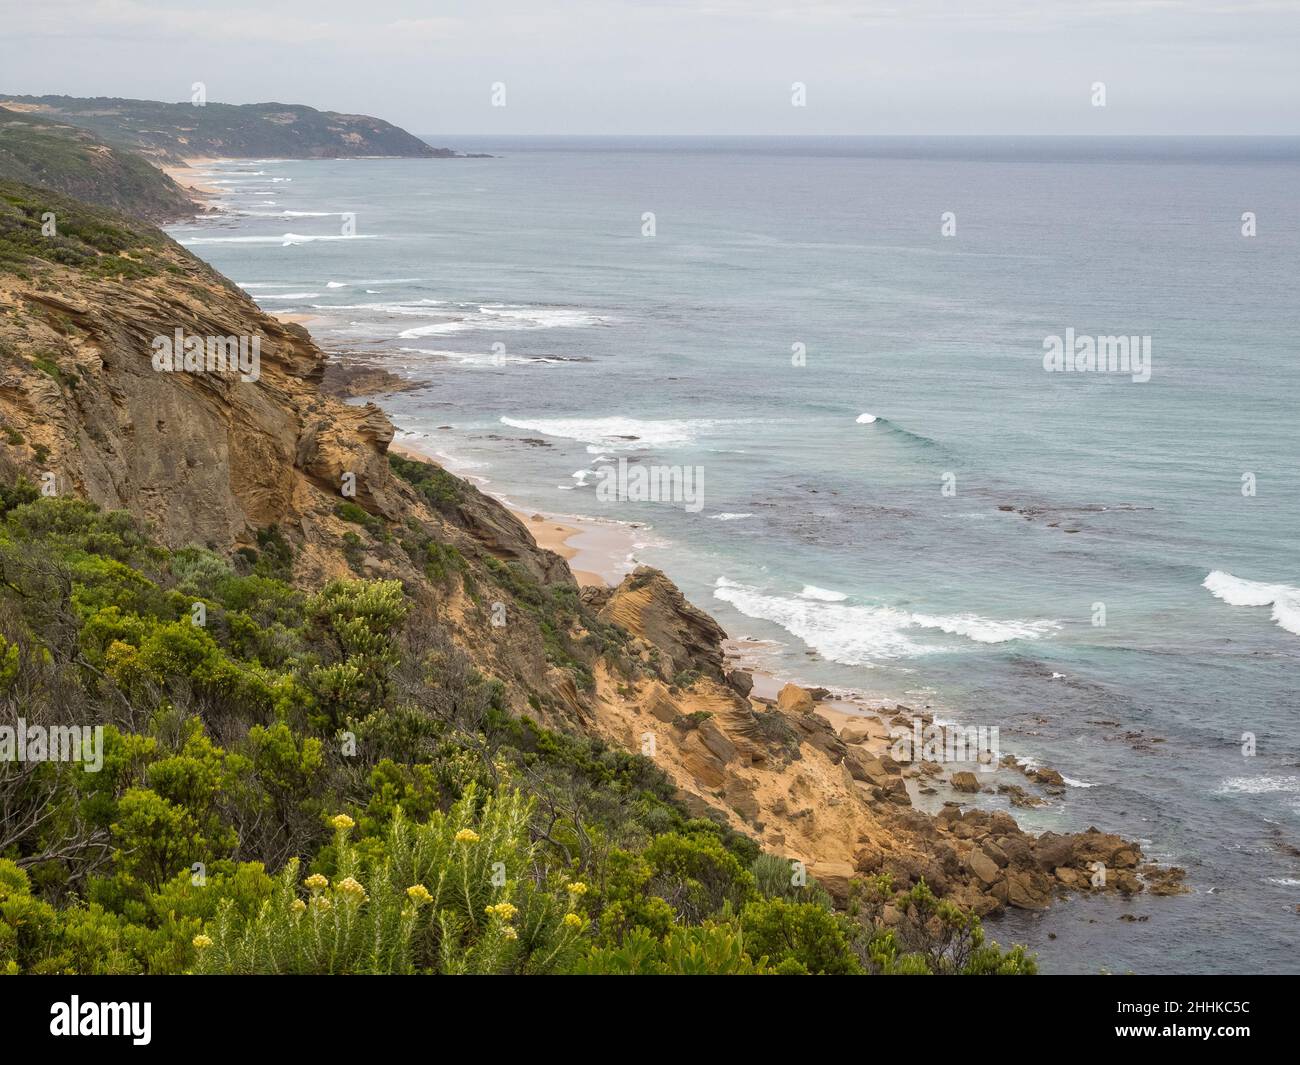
(444, 897)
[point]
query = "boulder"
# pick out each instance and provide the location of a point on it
(870, 770)
(965, 780)
(741, 681)
(835, 877)
(983, 866)
(716, 741)
(794, 699)
(1027, 890)
(704, 767)
(1048, 776)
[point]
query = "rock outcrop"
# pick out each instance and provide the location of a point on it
(649, 606)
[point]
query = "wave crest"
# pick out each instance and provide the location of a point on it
(1237, 591)
(859, 635)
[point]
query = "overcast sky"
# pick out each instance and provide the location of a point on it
(681, 66)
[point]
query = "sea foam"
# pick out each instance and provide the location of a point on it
(861, 635)
(615, 433)
(1236, 591)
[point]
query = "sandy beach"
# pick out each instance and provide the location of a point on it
(184, 177)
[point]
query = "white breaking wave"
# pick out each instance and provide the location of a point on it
(540, 317)
(859, 635)
(500, 316)
(438, 329)
(824, 595)
(615, 434)
(1264, 785)
(728, 515)
(484, 358)
(1235, 591)
(985, 630)
(287, 214)
(285, 239)
(866, 419)
(289, 296)
(409, 308)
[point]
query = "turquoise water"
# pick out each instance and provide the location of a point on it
(952, 552)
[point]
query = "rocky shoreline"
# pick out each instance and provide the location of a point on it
(813, 777)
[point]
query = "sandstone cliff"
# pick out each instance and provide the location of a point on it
(212, 459)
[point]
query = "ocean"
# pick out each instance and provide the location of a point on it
(843, 340)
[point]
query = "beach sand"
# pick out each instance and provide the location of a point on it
(184, 177)
(304, 320)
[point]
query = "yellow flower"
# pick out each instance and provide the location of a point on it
(572, 920)
(466, 835)
(322, 903)
(317, 882)
(342, 822)
(509, 932)
(504, 910)
(202, 941)
(351, 888)
(419, 894)
(577, 888)
(297, 906)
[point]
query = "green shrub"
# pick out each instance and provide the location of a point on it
(803, 932)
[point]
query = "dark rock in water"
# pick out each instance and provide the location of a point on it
(350, 381)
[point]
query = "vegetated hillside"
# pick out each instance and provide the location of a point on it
(75, 162)
(171, 132)
(321, 707)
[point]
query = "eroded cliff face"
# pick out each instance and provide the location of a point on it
(208, 458)
(211, 459)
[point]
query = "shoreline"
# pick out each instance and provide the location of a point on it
(203, 195)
